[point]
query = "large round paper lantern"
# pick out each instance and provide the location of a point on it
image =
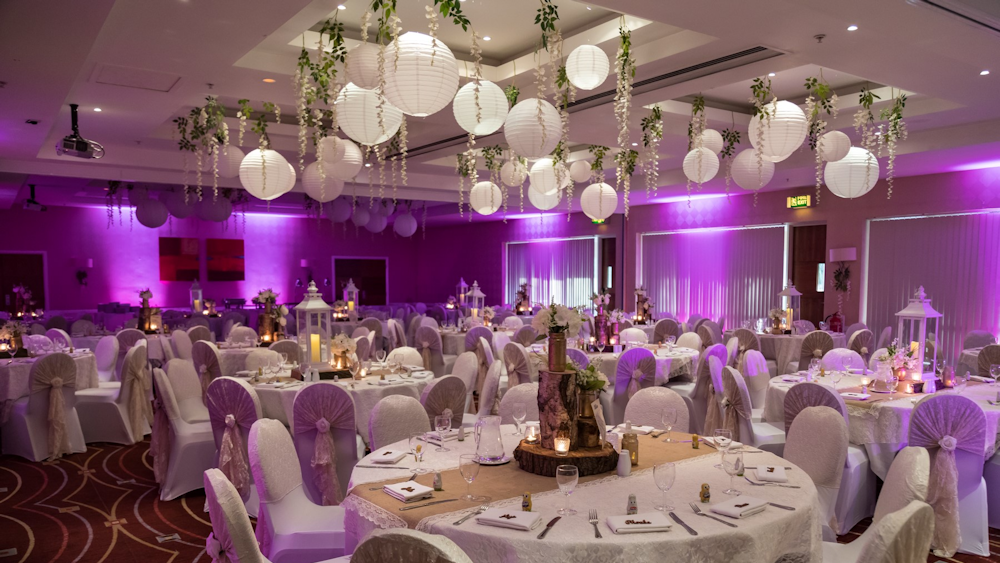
(385, 207)
(492, 108)
(785, 131)
(215, 210)
(268, 177)
(833, 145)
(712, 140)
(333, 149)
(543, 177)
(854, 175)
(339, 211)
(323, 190)
(350, 165)
(377, 223)
(362, 65)
(151, 213)
(420, 79)
(230, 159)
(513, 173)
(579, 171)
(405, 225)
(360, 217)
(524, 134)
(544, 202)
(587, 67)
(176, 205)
(701, 165)
(357, 115)
(485, 198)
(745, 173)
(599, 201)
(775, 159)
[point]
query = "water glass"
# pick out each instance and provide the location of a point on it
(813, 368)
(520, 413)
(442, 423)
(663, 476)
(669, 418)
(836, 376)
(995, 373)
(567, 477)
(732, 463)
(417, 447)
(468, 466)
(12, 350)
(380, 356)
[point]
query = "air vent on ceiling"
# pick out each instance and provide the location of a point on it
(983, 14)
(143, 79)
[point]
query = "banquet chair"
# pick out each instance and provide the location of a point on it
(854, 328)
(646, 407)
(326, 440)
(233, 407)
(625, 325)
(412, 323)
(181, 450)
(430, 322)
(754, 369)
(803, 327)
(578, 357)
(489, 398)
(395, 418)
(290, 527)
(694, 321)
(363, 350)
(126, 340)
(37, 328)
(633, 336)
(952, 428)
(120, 415)
(484, 354)
(374, 326)
(815, 345)
(525, 394)
(842, 359)
(360, 331)
(106, 354)
(59, 337)
(191, 406)
(165, 349)
(873, 362)
(700, 395)
(182, 343)
(445, 395)
(83, 327)
(202, 333)
(733, 349)
(690, 340)
(904, 535)
(977, 339)
(526, 336)
(817, 443)
(988, 356)
(242, 335)
(862, 342)
(474, 334)
(44, 425)
(406, 356)
(207, 363)
(747, 340)
(737, 416)
(885, 337)
(636, 370)
(856, 499)
(467, 369)
(261, 358)
(428, 342)
(198, 321)
(227, 328)
(664, 328)
(289, 348)
(401, 544)
(512, 322)
(57, 321)
(396, 337)
(715, 329)
(500, 341)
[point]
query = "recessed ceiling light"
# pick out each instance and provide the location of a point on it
(852, 28)
(97, 109)
(269, 80)
(341, 7)
(770, 74)
(984, 73)
(487, 38)
(588, 7)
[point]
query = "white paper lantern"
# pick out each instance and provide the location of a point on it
(333, 149)
(599, 201)
(745, 173)
(485, 198)
(215, 210)
(421, 79)
(492, 107)
(543, 177)
(579, 171)
(360, 217)
(833, 145)
(321, 190)
(350, 165)
(385, 207)
(587, 67)
(357, 115)
(405, 225)
(339, 211)
(524, 134)
(377, 223)
(775, 159)
(701, 168)
(362, 65)
(151, 213)
(712, 140)
(847, 176)
(266, 178)
(785, 131)
(230, 159)
(176, 205)
(513, 173)
(544, 202)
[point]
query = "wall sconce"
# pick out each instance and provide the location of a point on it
(298, 282)
(303, 263)
(326, 282)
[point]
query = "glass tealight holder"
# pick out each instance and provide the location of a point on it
(532, 435)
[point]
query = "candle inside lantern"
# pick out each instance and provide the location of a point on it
(350, 305)
(266, 338)
(3, 347)
(152, 327)
(531, 434)
(197, 304)
(204, 312)
(614, 340)
(314, 346)
(914, 347)
(474, 312)
(561, 446)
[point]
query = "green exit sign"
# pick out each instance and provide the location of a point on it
(799, 201)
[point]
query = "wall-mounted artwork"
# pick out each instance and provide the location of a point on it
(178, 259)
(224, 259)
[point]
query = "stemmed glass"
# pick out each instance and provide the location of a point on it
(813, 367)
(354, 367)
(417, 449)
(12, 350)
(284, 360)
(995, 373)
(891, 381)
(836, 376)
(671, 340)
(468, 466)
(663, 476)
(520, 413)
(723, 439)
(442, 423)
(732, 462)
(380, 356)
(961, 381)
(566, 477)
(393, 366)
(669, 418)
(600, 346)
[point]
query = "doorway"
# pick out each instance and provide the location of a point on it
(22, 269)
(808, 265)
(370, 276)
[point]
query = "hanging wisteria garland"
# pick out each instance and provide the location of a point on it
(493, 156)
(112, 199)
(652, 134)
(730, 138)
(597, 165)
(763, 109)
(821, 99)
(203, 132)
(864, 125)
(625, 74)
(696, 127)
(890, 135)
(466, 169)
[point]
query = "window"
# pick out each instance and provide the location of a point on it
(563, 271)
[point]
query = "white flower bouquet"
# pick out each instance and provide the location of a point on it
(489, 313)
(617, 316)
(557, 318)
(145, 294)
(775, 314)
(898, 357)
(590, 378)
(600, 299)
(266, 296)
(343, 344)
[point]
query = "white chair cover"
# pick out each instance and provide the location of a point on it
(862, 342)
(363, 349)
(430, 322)
(479, 340)
(815, 345)
(715, 328)
(645, 408)
(709, 387)
(885, 337)
(467, 369)
(374, 326)
(753, 367)
(475, 333)
(198, 321)
(633, 336)
(394, 418)
(908, 480)
(500, 340)
(491, 388)
(136, 390)
(233, 407)
(665, 328)
(706, 335)
(182, 343)
(904, 535)
(988, 356)
(106, 356)
(83, 327)
(261, 358)
(526, 394)
(445, 396)
(736, 406)
(817, 443)
(525, 336)
(412, 323)
(59, 337)
(513, 322)
(748, 340)
(854, 328)
(636, 370)
(166, 348)
(977, 339)
(803, 327)
(231, 539)
(407, 356)
(397, 334)
(159, 441)
(207, 363)
(690, 340)
(873, 361)
(199, 333)
(519, 369)
(842, 359)
(289, 348)
(360, 331)
(55, 375)
(242, 334)
(428, 342)
(128, 337)
(324, 431)
(805, 395)
(400, 544)
(578, 357)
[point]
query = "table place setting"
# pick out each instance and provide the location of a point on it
(639, 523)
(509, 518)
(408, 491)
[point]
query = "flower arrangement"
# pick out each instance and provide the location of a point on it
(489, 313)
(343, 344)
(12, 329)
(898, 357)
(600, 299)
(640, 291)
(452, 302)
(22, 291)
(647, 306)
(617, 316)
(145, 295)
(265, 296)
(775, 314)
(523, 301)
(590, 378)
(557, 318)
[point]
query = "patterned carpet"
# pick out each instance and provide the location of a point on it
(103, 506)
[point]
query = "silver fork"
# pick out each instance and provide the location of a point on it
(593, 521)
(697, 510)
(479, 510)
(772, 484)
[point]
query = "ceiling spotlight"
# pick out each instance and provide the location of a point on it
(984, 73)
(97, 109)
(487, 38)
(852, 28)
(341, 7)
(269, 80)
(770, 74)
(588, 7)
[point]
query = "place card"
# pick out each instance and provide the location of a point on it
(639, 523)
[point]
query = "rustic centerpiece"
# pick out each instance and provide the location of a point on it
(270, 323)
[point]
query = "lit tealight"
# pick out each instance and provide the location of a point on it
(561, 446)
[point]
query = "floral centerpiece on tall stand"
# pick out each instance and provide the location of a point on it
(11, 333)
(488, 314)
(616, 318)
(22, 300)
(600, 301)
(342, 347)
(271, 322)
(146, 312)
(522, 303)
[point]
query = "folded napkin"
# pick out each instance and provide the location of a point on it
(510, 517)
(408, 491)
(635, 428)
(711, 440)
(436, 436)
(981, 379)
(421, 374)
(81, 350)
(245, 373)
(771, 473)
(793, 378)
(389, 381)
(855, 396)
(388, 456)
(414, 368)
(740, 507)
(638, 523)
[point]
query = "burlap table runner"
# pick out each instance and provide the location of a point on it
(875, 398)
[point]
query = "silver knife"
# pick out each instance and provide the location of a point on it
(683, 525)
(381, 467)
(549, 526)
(781, 506)
(428, 504)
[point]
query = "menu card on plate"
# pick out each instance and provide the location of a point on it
(638, 523)
(771, 473)
(740, 507)
(388, 456)
(510, 517)
(408, 491)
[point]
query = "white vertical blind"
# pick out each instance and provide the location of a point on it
(735, 273)
(563, 270)
(957, 260)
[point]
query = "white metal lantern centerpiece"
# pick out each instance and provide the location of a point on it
(476, 300)
(791, 304)
(914, 326)
(197, 301)
(462, 291)
(351, 295)
(312, 320)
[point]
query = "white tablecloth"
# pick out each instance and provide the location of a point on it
(786, 348)
(762, 537)
(15, 378)
(349, 326)
(234, 359)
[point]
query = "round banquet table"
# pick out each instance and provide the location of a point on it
(762, 537)
(15, 378)
(786, 348)
(347, 327)
(882, 423)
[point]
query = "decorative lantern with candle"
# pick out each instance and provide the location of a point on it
(313, 324)
(791, 303)
(351, 295)
(476, 300)
(916, 321)
(197, 302)
(462, 291)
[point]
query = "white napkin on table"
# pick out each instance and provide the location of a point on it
(793, 378)
(389, 381)
(771, 473)
(408, 491)
(638, 523)
(414, 368)
(387, 456)
(740, 507)
(711, 440)
(421, 374)
(510, 517)
(981, 379)
(635, 428)
(436, 436)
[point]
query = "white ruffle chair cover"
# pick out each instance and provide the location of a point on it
(849, 332)
(36, 343)
(904, 535)
(842, 359)
(908, 480)
(55, 374)
(646, 407)
(261, 358)
(166, 349)
(243, 334)
(233, 407)
(324, 431)
(690, 340)
(978, 339)
(397, 335)
(406, 356)
(633, 336)
(412, 324)
(578, 357)
(706, 335)
(488, 399)
(479, 340)
(395, 418)
(360, 331)
(817, 443)
(374, 326)
(106, 355)
(873, 363)
(363, 349)
(83, 327)
(512, 322)
(182, 343)
(500, 340)
(445, 396)
(428, 342)
(231, 539)
(884, 338)
(198, 321)
(803, 327)
(208, 364)
(200, 333)
(525, 336)
(59, 337)
(159, 441)
(715, 328)
(128, 337)
(466, 368)
(988, 356)
(733, 348)
(136, 390)
(475, 333)
(815, 345)
(945, 424)
(707, 395)
(747, 341)
(289, 348)
(862, 342)
(736, 406)
(805, 395)
(525, 394)
(665, 328)
(753, 367)
(636, 370)
(400, 544)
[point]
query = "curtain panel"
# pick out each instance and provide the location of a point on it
(562, 270)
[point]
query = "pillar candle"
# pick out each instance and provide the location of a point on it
(314, 346)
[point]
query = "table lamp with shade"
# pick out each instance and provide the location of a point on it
(915, 322)
(351, 295)
(791, 304)
(312, 321)
(476, 300)
(197, 300)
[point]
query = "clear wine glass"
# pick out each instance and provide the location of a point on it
(669, 418)
(380, 356)
(961, 382)
(813, 367)
(417, 448)
(663, 476)
(12, 350)
(567, 477)
(442, 423)
(355, 368)
(600, 346)
(723, 437)
(732, 463)
(671, 340)
(468, 466)
(520, 413)
(995, 373)
(836, 376)
(891, 381)
(284, 360)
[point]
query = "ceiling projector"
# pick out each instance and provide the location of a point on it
(75, 145)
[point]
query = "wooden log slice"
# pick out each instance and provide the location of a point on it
(533, 458)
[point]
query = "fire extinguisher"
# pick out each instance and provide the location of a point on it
(836, 322)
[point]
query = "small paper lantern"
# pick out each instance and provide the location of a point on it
(544, 202)
(833, 145)
(701, 168)
(405, 225)
(854, 175)
(485, 198)
(492, 108)
(339, 211)
(176, 205)
(524, 134)
(420, 79)
(350, 165)
(377, 223)
(587, 67)
(230, 159)
(513, 173)
(784, 132)
(543, 177)
(151, 213)
(599, 201)
(268, 177)
(579, 171)
(333, 149)
(712, 140)
(745, 173)
(360, 217)
(362, 66)
(214, 210)
(323, 190)
(357, 115)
